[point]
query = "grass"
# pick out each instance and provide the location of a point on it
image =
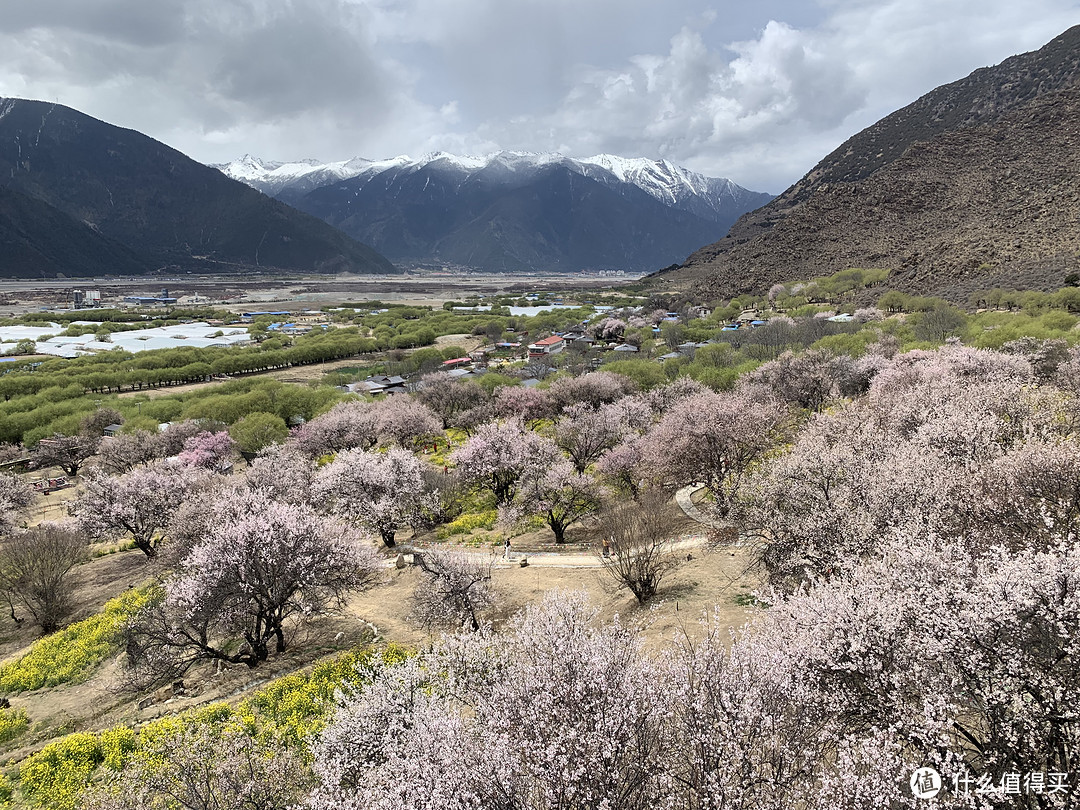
(747, 599)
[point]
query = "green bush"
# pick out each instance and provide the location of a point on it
(646, 373)
(70, 655)
(258, 430)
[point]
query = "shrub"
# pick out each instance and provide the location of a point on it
(13, 722)
(468, 522)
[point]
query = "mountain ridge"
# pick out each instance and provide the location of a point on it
(165, 208)
(858, 207)
(422, 209)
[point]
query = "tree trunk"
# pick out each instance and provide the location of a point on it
(558, 527)
(259, 652)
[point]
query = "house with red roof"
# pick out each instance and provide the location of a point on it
(549, 345)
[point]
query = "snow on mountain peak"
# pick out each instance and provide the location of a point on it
(248, 167)
(661, 179)
(623, 168)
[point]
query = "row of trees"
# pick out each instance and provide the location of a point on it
(118, 371)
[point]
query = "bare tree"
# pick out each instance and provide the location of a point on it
(34, 567)
(454, 591)
(636, 552)
(69, 453)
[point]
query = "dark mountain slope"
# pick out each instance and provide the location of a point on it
(970, 186)
(37, 240)
(552, 218)
(165, 207)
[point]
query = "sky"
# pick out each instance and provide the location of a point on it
(757, 91)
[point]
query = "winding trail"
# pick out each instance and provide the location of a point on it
(578, 559)
(685, 502)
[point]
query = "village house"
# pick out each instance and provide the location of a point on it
(549, 345)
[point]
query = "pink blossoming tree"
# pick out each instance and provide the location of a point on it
(347, 425)
(261, 567)
(208, 451)
(139, 504)
(556, 493)
(381, 492)
(499, 454)
(714, 439)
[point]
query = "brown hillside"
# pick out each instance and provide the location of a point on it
(973, 185)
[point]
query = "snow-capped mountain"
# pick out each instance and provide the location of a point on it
(512, 210)
(272, 177)
(670, 184)
(674, 185)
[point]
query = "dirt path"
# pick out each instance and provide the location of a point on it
(293, 374)
(554, 559)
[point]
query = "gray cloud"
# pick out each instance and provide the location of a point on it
(763, 110)
(211, 71)
(695, 100)
(137, 22)
(292, 63)
(757, 92)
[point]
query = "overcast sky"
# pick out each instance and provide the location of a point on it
(754, 90)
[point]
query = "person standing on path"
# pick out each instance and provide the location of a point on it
(506, 549)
